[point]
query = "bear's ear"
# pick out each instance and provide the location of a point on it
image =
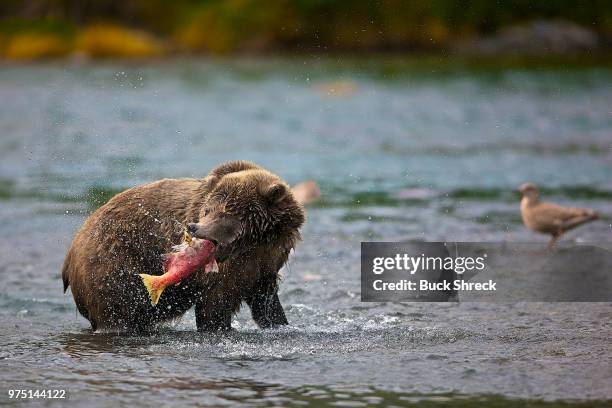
(232, 167)
(210, 181)
(275, 192)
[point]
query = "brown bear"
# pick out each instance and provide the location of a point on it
(249, 214)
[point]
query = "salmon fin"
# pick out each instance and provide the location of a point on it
(153, 288)
(212, 266)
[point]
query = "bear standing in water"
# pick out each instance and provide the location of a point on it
(249, 214)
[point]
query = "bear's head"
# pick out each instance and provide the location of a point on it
(246, 206)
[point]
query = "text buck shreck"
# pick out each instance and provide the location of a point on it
(424, 285)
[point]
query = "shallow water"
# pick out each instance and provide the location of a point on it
(402, 153)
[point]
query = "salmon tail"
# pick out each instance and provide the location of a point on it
(154, 287)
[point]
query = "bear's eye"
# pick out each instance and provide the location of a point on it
(206, 212)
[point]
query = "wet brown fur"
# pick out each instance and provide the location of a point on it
(129, 234)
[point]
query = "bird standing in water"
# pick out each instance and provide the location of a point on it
(550, 218)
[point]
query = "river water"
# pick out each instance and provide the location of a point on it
(402, 151)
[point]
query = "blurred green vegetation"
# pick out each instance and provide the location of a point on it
(153, 27)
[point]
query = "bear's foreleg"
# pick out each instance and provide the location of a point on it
(266, 308)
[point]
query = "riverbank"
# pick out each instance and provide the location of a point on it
(556, 39)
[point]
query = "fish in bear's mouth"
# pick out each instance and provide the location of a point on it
(186, 258)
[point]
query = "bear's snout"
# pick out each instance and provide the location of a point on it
(219, 230)
(192, 228)
(202, 232)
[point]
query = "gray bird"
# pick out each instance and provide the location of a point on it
(550, 218)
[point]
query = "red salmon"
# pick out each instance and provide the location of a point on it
(189, 256)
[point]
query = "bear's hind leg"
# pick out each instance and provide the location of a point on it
(213, 316)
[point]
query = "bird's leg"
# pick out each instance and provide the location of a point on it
(551, 243)
(553, 240)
